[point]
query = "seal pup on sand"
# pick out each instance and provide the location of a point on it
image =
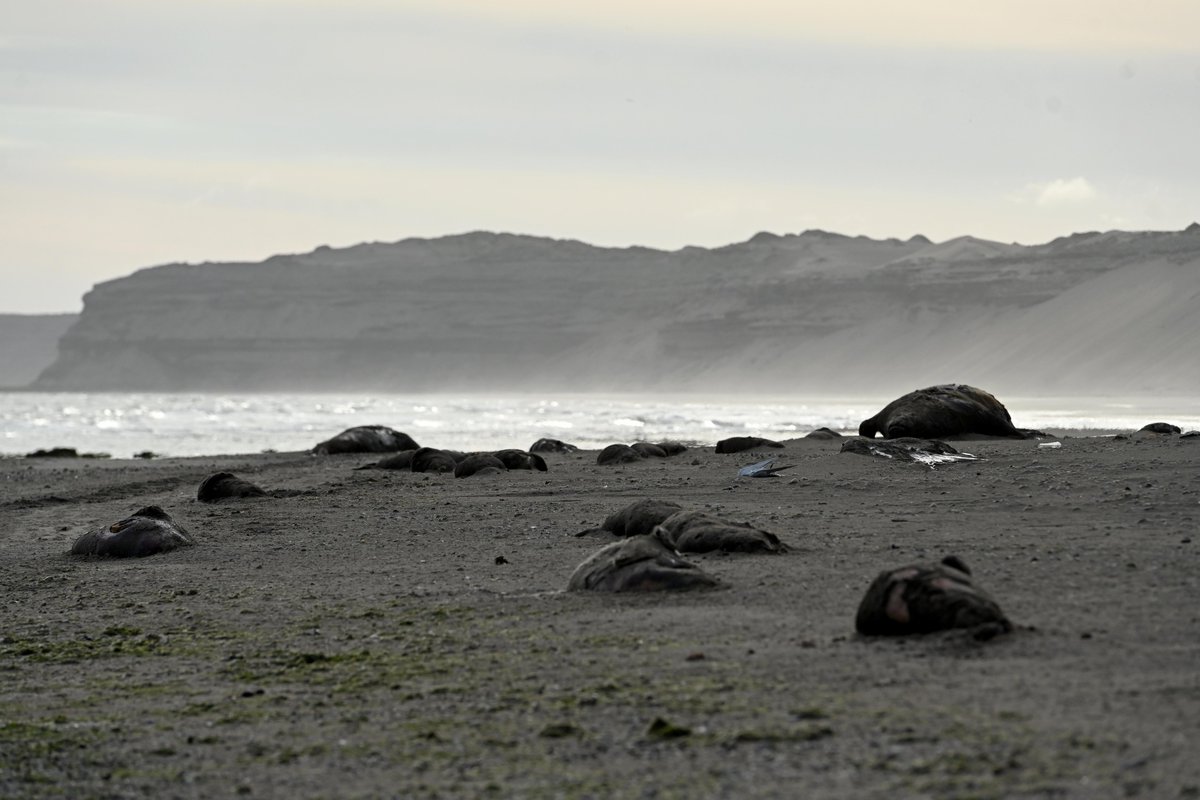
(520, 459)
(638, 564)
(366, 439)
(147, 531)
(739, 444)
(636, 519)
(402, 460)
(552, 446)
(697, 532)
(822, 433)
(922, 598)
(430, 459)
(952, 409)
(618, 454)
(479, 464)
(226, 485)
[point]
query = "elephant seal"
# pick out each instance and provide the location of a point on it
(430, 459)
(618, 454)
(1160, 427)
(402, 460)
(552, 446)
(925, 451)
(922, 598)
(226, 485)
(636, 519)
(479, 464)
(638, 564)
(520, 459)
(823, 433)
(148, 531)
(937, 412)
(366, 439)
(697, 532)
(739, 444)
(671, 447)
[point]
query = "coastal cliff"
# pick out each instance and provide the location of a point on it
(812, 312)
(29, 344)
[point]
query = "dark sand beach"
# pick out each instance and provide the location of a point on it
(390, 634)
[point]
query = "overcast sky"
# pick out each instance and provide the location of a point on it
(141, 132)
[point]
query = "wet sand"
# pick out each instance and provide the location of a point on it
(390, 634)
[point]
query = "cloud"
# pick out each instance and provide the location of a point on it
(1062, 192)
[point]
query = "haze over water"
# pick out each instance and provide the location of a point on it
(215, 424)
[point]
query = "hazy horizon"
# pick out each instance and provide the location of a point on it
(137, 133)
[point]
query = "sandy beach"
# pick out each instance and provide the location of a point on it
(389, 634)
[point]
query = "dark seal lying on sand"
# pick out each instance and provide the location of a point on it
(697, 532)
(937, 412)
(366, 439)
(401, 460)
(922, 598)
(638, 564)
(226, 485)
(430, 459)
(636, 519)
(740, 444)
(479, 464)
(148, 531)
(687, 531)
(552, 446)
(520, 459)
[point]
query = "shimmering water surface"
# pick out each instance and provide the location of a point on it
(207, 424)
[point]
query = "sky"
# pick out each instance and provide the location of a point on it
(143, 132)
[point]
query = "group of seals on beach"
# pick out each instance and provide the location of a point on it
(916, 598)
(462, 465)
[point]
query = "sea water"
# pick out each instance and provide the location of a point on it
(212, 424)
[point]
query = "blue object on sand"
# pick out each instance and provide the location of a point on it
(763, 469)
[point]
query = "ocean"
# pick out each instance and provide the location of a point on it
(215, 424)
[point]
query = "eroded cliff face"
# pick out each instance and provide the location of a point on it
(809, 312)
